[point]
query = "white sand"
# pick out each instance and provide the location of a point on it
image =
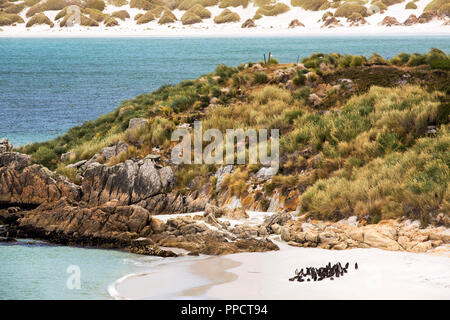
(381, 275)
(266, 26)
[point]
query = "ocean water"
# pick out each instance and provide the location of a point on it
(50, 85)
(40, 270)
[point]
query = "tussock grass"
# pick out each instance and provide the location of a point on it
(95, 4)
(51, 5)
(274, 10)
(122, 15)
(347, 9)
(14, 8)
(145, 18)
(39, 19)
(111, 22)
(190, 18)
(141, 4)
(227, 16)
(167, 17)
(7, 19)
(233, 3)
(410, 5)
(187, 4)
(200, 11)
(96, 15)
(312, 5)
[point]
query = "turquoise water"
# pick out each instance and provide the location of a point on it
(39, 271)
(50, 85)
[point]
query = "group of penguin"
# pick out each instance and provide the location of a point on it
(318, 274)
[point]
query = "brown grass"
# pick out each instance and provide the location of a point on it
(38, 19)
(227, 16)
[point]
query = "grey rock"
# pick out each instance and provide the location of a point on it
(137, 123)
(5, 145)
(220, 174)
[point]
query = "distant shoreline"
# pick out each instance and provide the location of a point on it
(401, 31)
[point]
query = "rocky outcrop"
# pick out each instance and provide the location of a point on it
(26, 184)
(137, 123)
(295, 23)
(412, 19)
(132, 227)
(249, 23)
(390, 21)
(331, 22)
(386, 235)
(129, 182)
(5, 146)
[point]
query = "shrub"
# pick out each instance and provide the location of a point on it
(39, 18)
(146, 18)
(260, 77)
(200, 11)
(299, 79)
(313, 5)
(190, 18)
(347, 9)
(7, 19)
(411, 5)
(400, 59)
(95, 4)
(233, 3)
(357, 61)
(167, 17)
(45, 156)
(70, 173)
(274, 10)
(377, 59)
(227, 16)
(416, 59)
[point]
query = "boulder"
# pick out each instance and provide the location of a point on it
(266, 173)
(412, 19)
(390, 21)
(249, 23)
(295, 23)
(67, 156)
(112, 151)
(235, 214)
(220, 174)
(128, 182)
(331, 22)
(23, 183)
(375, 239)
(5, 145)
(137, 123)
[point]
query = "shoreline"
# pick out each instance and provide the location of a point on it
(381, 275)
(244, 33)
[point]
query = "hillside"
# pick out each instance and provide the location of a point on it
(358, 136)
(169, 17)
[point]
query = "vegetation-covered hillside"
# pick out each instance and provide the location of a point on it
(358, 136)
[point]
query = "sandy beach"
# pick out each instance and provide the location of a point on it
(381, 275)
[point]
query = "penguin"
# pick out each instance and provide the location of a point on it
(346, 265)
(356, 266)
